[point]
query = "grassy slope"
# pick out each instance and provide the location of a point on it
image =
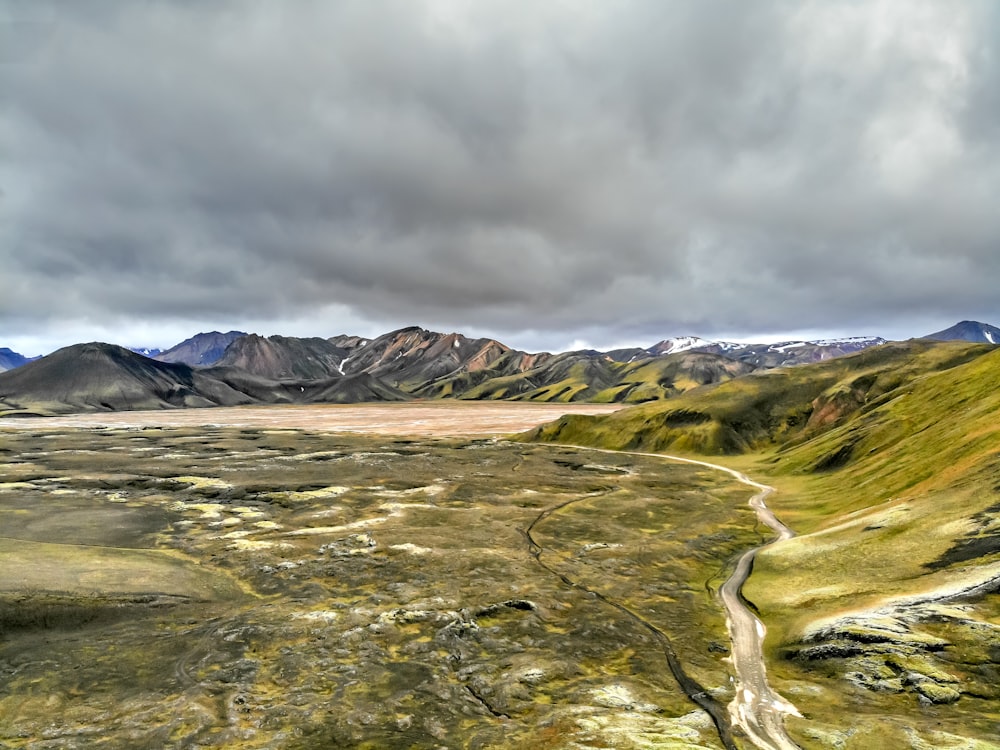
(569, 377)
(764, 409)
(908, 519)
(887, 463)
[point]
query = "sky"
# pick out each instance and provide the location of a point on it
(550, 173)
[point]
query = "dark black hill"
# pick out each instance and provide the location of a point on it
(108, 377)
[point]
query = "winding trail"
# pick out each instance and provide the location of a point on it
(692, 689)
(756, 708)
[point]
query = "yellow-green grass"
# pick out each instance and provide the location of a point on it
(412, 613)
(882, 629)
(906, 522)
(764, 409)
(28, 566)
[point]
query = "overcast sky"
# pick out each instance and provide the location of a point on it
(549, 173)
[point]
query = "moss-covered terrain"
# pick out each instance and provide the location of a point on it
(883, 613)
(272, 588)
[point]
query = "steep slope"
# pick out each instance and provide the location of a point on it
(669, 376)
(201, 350)
(888, 601)
(969, 330)
(765, 408)
(348, 343)
(411, 357)
(594, 376)
(351, 389)
(570, 376)
(106, 377)
(11, 359)
(284, 357)
(892, 588)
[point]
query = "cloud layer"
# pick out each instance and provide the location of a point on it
(633, 169)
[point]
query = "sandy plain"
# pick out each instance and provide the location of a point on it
(437, 419)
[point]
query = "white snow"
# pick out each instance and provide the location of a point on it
(785, 346)
(989, 337)
(868, 340)
(682, 344)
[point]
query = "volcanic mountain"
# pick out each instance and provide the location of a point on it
(768, 407)
(202, 349)
(234, 367)
(284, 357)
(100, 377)
(595, 376)
(781, 354)
(969, 330)
(414, 356)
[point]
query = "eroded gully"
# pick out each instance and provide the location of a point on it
(756, 708)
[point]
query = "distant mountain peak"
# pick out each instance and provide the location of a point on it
(284, 357)
(679, 344)
(968, 330)
(145, 351)
(202, 349)
(10, 359)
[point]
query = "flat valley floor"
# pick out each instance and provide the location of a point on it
(432, 419)
(277, 583)
(390, 576)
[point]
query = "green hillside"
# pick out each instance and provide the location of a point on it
(883, 614)
(579, 376)
(766, 408)
(892, 587)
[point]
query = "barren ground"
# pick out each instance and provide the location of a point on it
(189, 585)
(430, 419)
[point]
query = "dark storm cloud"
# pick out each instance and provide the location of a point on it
(647, 167)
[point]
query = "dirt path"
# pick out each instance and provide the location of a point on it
(695, 692)
(756, 709)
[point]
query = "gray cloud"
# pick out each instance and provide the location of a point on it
(636, 169)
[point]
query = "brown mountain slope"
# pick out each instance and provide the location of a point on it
(411, 357)
(284, 357)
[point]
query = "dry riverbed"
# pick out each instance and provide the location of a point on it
(447, 418)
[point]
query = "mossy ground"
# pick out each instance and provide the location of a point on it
(889, 598)
(279, 588)
(883, 613)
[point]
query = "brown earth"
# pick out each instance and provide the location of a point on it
(433, 419)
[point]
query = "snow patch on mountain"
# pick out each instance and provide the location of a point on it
(145, 351)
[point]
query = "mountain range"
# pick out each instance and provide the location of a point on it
(239, 368)
(10, 359)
